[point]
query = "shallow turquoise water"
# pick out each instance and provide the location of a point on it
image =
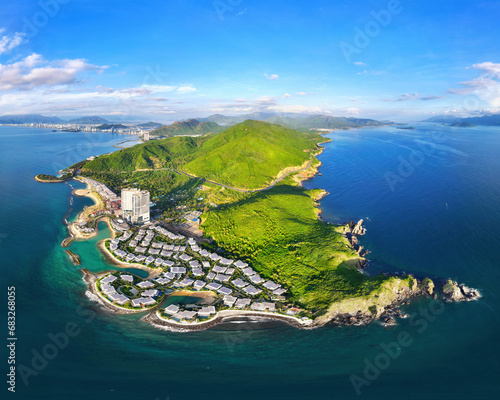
(443, 220)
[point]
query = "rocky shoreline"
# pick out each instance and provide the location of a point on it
(386, 314)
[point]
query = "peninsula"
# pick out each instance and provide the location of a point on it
(234, 225)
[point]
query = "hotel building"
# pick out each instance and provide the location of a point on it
(135, 205)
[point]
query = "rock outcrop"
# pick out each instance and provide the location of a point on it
(358, 229)
(351, 232)
(452, 291)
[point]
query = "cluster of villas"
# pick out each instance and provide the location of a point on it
(110, 198)
(185, 266)
(84, 227)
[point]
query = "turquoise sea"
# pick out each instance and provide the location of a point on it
(430, 198)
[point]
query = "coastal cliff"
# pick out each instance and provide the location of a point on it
(398, 290)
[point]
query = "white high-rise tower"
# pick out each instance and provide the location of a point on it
(135, 205)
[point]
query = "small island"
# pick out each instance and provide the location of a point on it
(53, 179)
(462, 125)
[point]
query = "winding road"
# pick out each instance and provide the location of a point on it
(273, 183)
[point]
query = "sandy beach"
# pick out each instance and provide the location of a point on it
(153, 272)
(157, 321)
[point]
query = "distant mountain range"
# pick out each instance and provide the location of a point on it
(14, 119)
(216, 122)
(297, 121)
(486, 120)
(93, 120)
(191, 127)
(29, 119)
(42, 119)
(150, 124)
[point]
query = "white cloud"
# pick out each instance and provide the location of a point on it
(168, 89)
(272, 77)
(370, 72)
(486, 86)
(186, 89)
(301, 93)
(488, 67)
(103, 89)
(414, 96)
(352, 111)
(33, 71)
(360, 64)
(8, 42)
(159, 88)
(287, 95)
(297, 108)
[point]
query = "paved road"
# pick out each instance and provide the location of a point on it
(273, 183)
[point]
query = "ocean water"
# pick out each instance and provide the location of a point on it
(430, 199)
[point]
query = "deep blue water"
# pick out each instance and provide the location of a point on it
(441, 219)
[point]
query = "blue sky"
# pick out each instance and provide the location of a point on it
(174, 59)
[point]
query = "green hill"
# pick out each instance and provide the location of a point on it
(166, 153)
(251, 154)
(191, 127)
(248, 155)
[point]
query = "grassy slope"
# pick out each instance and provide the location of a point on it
(278, 232)
(170, 152)
(251, 154)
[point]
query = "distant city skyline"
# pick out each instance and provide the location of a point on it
(166, 61)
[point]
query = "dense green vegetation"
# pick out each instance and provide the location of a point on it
(247, 155)
(278, 232)
(251, 154)
(158, 183)
(190, 127)
(172, 153)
